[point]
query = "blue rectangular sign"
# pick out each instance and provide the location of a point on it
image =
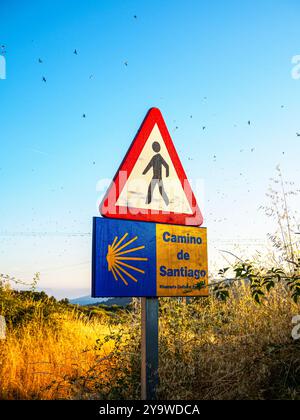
(124, 258)
(148, 259)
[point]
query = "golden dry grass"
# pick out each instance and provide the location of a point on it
(37, 360)
(209, 349)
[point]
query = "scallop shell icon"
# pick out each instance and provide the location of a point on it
(118, 258)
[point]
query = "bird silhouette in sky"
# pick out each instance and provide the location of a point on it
(298, 134)
(44, 79)
(126, 63)
(75, 52)
(40, 60)
(249, 122)
(83, 115)
(135, 16)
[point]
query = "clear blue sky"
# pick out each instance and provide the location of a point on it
(223, 62)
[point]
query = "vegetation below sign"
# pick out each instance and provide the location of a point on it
(54, 350)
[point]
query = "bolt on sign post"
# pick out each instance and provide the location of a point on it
(149, 243)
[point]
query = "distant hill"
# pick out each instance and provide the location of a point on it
(122, 301)
(88, 300)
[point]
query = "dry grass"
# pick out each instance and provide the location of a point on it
(231, 350)
(38, 360)
(208, 350)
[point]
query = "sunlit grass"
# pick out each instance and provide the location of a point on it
(37, 360)
(208, 349)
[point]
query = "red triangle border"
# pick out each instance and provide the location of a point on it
(109, 209)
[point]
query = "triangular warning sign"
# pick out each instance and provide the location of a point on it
(151, 184)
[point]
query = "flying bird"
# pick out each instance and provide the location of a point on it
(298, 134)
(249, 122)
(135, 16)
(75, 52)
(126, 63)
(83, 115)
(40, 60)
(203, 128)
(44, 79)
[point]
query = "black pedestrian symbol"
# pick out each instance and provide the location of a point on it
(157, 162)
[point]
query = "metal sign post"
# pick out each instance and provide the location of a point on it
(149, 348)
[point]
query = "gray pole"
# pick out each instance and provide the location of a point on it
(149, 348)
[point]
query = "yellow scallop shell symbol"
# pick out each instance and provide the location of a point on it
(117, 254)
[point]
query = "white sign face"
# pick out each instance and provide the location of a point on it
(153, 183)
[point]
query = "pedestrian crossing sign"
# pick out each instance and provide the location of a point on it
(151, 184)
